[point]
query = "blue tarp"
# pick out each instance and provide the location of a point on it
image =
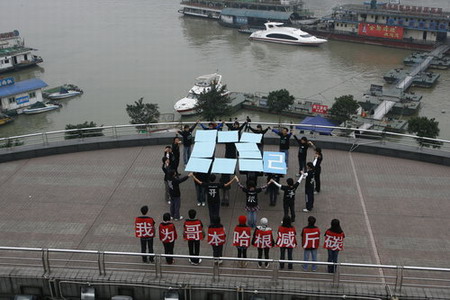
(22, 87)
(317, 120)
(261, 14)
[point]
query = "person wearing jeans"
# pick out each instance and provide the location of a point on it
(284, 142)
(251, 203)
(173, 182)
(310, 242)
(186, 134)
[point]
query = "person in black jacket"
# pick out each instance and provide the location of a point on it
(230, 148)
(309, 186)
(176, 153)
(259, 130)
(173, 181)
(318, 157)
(186, 134)
(273, 189)
(289, 196)
(303, 145)
(285, 136)
(166, 167)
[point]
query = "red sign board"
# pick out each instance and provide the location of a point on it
(383, 31)
(320, 109)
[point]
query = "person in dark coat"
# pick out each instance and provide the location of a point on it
(188, 139)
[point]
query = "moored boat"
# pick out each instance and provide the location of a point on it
(40, 107)
(63, 92)
(5, 119)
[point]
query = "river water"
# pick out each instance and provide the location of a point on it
(119, 51)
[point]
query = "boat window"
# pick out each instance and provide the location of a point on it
(6, 61)
(281, 36)
(306, 35)
(192, 96)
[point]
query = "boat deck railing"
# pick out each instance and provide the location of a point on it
(349, 134)
(394, 277)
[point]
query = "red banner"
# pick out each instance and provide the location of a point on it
(320, 109)
(384, 31)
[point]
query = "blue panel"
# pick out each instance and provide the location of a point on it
(274, 162)
(248, 137)
(22, 87)
(224, 166)
(247, 147)
(228, 136)
(203, 150)
(252, 165)
(200, 165)
(250, 154)
(205, 136)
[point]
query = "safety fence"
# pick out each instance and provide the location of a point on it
(104, 262)
(355, 135)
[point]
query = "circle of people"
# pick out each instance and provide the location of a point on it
(207, 188)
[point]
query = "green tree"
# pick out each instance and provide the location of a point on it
(215, 103)
(143, 113)
(279, 101)
(343, 108)
(424, 127)
(80, 133)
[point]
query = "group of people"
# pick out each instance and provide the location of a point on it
(262, 239)
(209, 188)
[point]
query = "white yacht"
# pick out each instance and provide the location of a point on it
(276, 33)
(203, 84)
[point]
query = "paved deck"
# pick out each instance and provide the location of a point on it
(393, 211)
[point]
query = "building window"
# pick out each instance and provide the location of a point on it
(11, 100)
(6, 61)
(32, 95)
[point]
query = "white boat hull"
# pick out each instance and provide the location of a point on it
(280, 41)
(33, 111)
(59, 95)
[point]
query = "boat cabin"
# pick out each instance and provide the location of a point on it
(16, 95)
(13, 53)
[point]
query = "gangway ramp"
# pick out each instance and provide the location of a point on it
(383, 109)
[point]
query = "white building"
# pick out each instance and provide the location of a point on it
(17, 95)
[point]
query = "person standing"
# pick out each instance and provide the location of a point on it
(259, 130)
(273, 189)
(318, 157)
(176, 153)
(224, 178)
(216, 237)
(241, 239)
(186, 134)
(310, 242)
(168, 235)
(251, 202)
(309, 186)
(284, 142)
(286, 240)
(173, 181)
(289, 196)
(334, 242)
(212, 126)
(166, 169)
(263, 241)
(213, 193)
(169, 154)
(199, 189)
(144, 227)
(230, 148)
(193, 234)
(303, 145)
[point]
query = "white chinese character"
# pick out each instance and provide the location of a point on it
(167, 235)
(251, 198)
(242, 239)
(212, 192)
(291, 194)
(334, 242)
(263, 241)
(286, 239)
(193, 232)
(216, 239)
(144, 229)
(311, 237)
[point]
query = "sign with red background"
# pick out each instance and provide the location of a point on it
(383, 31)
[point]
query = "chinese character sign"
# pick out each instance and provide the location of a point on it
(144, 228)
(6, 81)
(286, 239)
(334, 242)
(383, 31)
(193, 232)
(320, 109)
(241, 238)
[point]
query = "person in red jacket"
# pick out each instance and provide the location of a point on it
(310, 242)
(144, 228)
(193, 233)
(167, 235)
(216, 237)
(263, 240)
(241, 239)
(334, 242)
(286, 240)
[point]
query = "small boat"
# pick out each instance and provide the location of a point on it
(64, 93)
(5, 119)
(276, 33)
(40, 107)
(203, 84)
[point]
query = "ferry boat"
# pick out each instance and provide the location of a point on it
(276, 33)
(385, 24)
(13, 53)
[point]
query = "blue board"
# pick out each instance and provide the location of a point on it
(228, 136)
(200, 165)
(251, 165)
(203, 149)
(247, 147)
(248, 137)
(250, 154)
(224, 166)
(206, 136)
(274, 162)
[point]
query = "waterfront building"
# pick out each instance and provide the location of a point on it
(13, 53)
(14, 96)
(403, 26)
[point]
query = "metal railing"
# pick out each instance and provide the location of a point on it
(355, 135)
(105, 262)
